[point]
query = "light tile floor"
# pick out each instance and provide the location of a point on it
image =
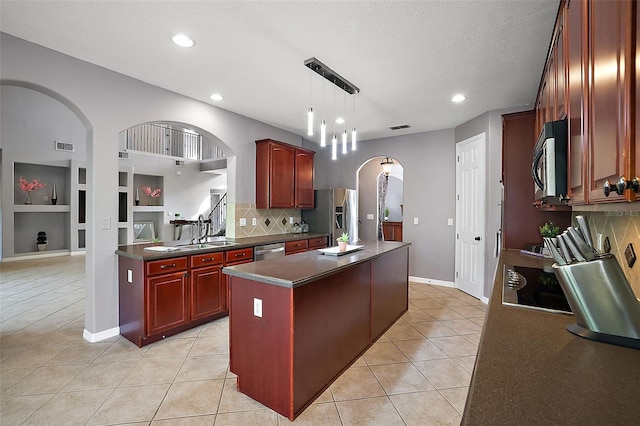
(417, 373)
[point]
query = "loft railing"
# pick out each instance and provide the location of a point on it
(172, 142)
(218, 217)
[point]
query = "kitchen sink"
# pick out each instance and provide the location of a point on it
(198, 246)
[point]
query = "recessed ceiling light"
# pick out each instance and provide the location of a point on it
(458, 98)
(339, 120)
(182, 40)
(216, 97)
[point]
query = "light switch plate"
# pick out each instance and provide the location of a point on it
(630, 255)
(257, 307)
(369, 216)
(243, 221)
(415, 220)
(450, 221)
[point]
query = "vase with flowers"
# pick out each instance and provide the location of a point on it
(151, 193)
(27, 186)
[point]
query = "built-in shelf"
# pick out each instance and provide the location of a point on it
(41, 208)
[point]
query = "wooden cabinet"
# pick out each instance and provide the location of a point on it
(610, 83)
(160, 298)
(594, 52)
(575, 36)
(292, 247)
(392, 231)
(316, 243)
(207, 290)
(284, 175)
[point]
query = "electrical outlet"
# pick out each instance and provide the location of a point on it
(630, 255)
(257, 307)
(290, 220)
(254, 221)
(129, 275)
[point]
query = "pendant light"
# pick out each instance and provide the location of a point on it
(310, 111)
(386, 166)
(334, 147)
(353, 131)
(344, 142)
(323, 125)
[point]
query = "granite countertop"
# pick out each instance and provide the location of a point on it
(530, 370)
(137, 251)
(299, 269)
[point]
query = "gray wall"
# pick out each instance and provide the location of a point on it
(428, 160)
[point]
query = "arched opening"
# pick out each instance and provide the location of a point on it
(377, 194)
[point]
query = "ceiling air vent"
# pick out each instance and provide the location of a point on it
(64, 146)
(123, 155)
(399, 126)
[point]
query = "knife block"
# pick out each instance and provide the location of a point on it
(602, 301)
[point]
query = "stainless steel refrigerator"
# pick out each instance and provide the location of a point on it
(335, 212)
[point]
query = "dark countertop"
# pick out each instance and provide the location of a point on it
(136, 251)
(298, 269)
(530, 370)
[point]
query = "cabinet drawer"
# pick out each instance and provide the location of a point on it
(164, 266)
(291, 247)
(238, 255)
(320, 242)
(206, 259)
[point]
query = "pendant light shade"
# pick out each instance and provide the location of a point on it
(334, 148)
(310, 122)
(386, 166)
(344, 142)
(353, 139)
(323, 134)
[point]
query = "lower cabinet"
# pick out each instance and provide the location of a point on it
(299, 246)
(392, 231)
(160, 298)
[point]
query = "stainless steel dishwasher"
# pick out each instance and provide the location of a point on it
(269, 251)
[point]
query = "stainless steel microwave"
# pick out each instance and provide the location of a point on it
(549, 168)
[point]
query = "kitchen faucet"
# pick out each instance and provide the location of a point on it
(201, 229)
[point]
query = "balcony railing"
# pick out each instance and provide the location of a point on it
(171, 142)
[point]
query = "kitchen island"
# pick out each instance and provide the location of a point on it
(530, 370)
(297, 322)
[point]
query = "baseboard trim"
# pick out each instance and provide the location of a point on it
(484, 300)
(35, 255)
(431, 281)
(102, 335)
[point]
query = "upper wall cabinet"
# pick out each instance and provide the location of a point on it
(610, 97)
(593, 53)
(284, 175)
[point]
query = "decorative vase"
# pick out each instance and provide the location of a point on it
(42, 247)
(54, 195)
(28, 197)
(342, 245)
(137, 197)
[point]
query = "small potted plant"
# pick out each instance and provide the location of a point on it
(342, 242)
(386, 213)
(550, 230)
(41, 241)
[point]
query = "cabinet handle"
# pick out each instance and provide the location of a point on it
(622, 185)
(208, 260)
(173, 265)
(239, 254)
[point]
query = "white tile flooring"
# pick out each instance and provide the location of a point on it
(417, 373)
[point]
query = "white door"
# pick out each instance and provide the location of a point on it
(470, 214)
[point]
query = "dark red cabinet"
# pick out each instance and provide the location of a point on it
(284, 175)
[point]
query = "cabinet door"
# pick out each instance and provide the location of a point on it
(559, 68)
(281, 176)
(167, 302)
(610, 63)
(208, 296)
(575, 33)
(304, 179)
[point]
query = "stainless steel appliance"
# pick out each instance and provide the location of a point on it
(335, 212)
(549, 168)
(269, 251)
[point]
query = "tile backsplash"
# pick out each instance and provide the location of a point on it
(622, 228)
(268, 221)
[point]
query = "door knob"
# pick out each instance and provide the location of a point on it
(607, 188)
(477, 238)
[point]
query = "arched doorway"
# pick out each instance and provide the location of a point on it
(372, 202)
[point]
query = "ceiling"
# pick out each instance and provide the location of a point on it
(408, 58)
